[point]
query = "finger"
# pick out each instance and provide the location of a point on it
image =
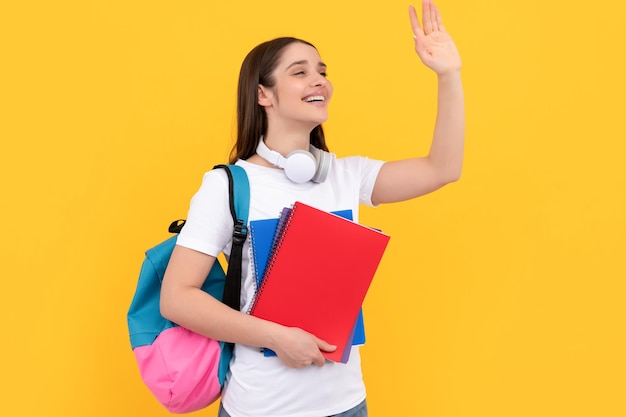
(325, 346)
(319, 361)
(432, 15)
(415, 24)
(439, 20)
(426, 18)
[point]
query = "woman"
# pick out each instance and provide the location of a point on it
(282, 101)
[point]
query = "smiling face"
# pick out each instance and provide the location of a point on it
(301, 92)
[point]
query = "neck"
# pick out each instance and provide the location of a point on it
(285, 135)
(285, 142)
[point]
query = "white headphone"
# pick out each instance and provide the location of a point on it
(299, 166)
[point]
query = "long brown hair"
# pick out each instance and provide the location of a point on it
(257, 68)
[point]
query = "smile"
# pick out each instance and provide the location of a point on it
(312, 99)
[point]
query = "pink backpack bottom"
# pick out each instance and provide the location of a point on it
(181, 369)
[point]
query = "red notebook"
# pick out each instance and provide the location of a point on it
(319, 274)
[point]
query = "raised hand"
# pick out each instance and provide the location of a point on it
(433, 44)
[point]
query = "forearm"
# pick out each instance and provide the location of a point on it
(200, 312)
(185, 303)
(447, 148)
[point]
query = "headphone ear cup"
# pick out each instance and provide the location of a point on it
(300, 166)
(323, 164)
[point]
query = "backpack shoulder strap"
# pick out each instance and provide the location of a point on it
(239, 200)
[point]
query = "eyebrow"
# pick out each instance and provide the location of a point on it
(303, 62)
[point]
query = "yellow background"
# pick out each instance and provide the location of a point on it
(500, 295)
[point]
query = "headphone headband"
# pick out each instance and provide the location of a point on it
(269, 155)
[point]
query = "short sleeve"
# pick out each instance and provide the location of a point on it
(369, 169)
(209, 224)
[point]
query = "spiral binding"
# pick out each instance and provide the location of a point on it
(281, 229)
(251, 253)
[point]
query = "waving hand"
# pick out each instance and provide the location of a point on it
(433, 44)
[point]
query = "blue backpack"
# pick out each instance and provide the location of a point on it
(185, 371)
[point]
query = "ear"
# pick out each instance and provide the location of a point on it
(264, 96)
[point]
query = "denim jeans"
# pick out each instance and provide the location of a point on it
(358, 411)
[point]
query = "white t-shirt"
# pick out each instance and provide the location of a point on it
(259, 386)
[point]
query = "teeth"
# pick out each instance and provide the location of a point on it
(314, 98)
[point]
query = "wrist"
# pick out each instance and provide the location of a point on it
(449, 75)
(272, 335)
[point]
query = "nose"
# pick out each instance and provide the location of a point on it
(319, 80)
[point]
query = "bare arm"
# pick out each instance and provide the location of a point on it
(410, 178)
(183, 302)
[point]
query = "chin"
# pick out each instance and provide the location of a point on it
(322, 119)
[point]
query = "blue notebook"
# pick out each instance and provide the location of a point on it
(263, 235)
